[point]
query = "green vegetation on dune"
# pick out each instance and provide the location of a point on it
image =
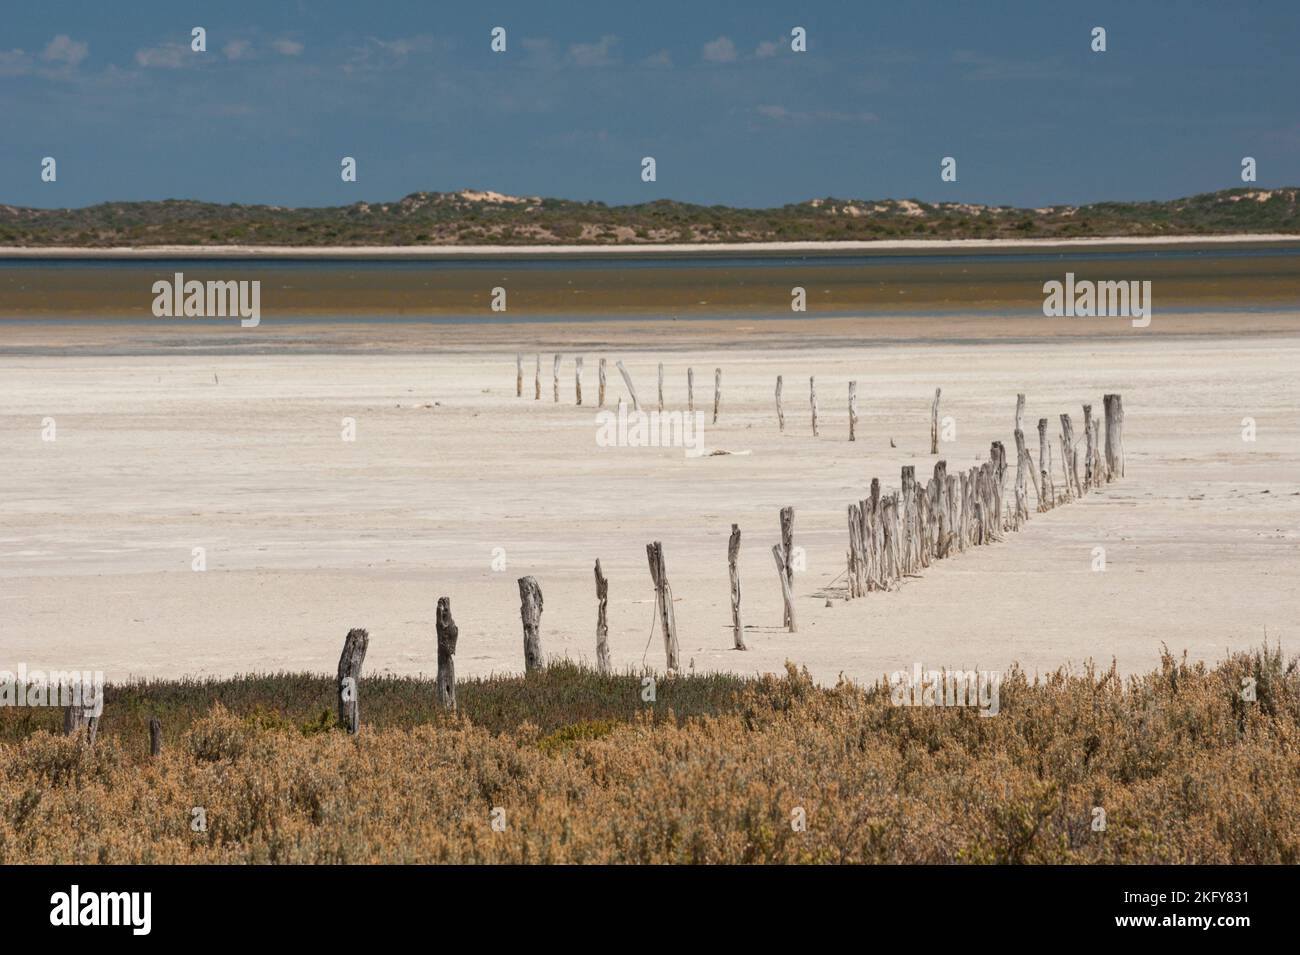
(575, 767)
(467, 218)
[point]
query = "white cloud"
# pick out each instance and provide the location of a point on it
(237, 50)
(766, 48)
(286, 47)
(721, 50)
(168, 56)
(64, 49)
(600, 53)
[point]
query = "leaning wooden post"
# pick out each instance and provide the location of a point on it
(602, 622)
(1022, 494)
(782, 558)
(519, 375)
(661, 386)
(780, 412)
(812, 400)
(447, 634)
(717, 392)
(577, 377)
(690, 389)
(627, 380)
(663, 601)
(530, 611)
(600, 400)
(350, 660)
(555, 378)
(733, 558)
(1020, 412)
(787, 566)
(1114, 408)
(155, 736)
(537, 379)
(853, 411)
(934, 423)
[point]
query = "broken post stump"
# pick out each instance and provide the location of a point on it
(733, 559)
(1114, 408)
(780, 412)
(717, 392)
(349, 678)
(555, 379)
(602, 622)
(577, 378)
(787, 550)
(600, 398)
(537, 379)
(934, 422)
(627, 380)
(155, 736)
(447, 634)
(530, 611)
(853, 411)
(661, 386)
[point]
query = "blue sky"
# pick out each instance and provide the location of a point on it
(710, 89)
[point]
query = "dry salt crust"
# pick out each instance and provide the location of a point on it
(307, 535)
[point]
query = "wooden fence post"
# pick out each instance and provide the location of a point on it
(780, 412)
(787, 551)
(600, 400)
(555, 378)
(155, 736)
(663, 601)
(661, 386)
(1020, 413)
(690, 389)
(448, 632)
(519, 375)
(934, 423)
(530, 611)
(1022, 494)
(853, 411)
(782, 558)
(350, 660)
(717, 392)
(602, 622)
(733, 565)
(537, 379)
(812, 400)
(1114, 408)
(1089, 472)
(1047, 499)
(76, 722)
(627, 380)
(577, 378)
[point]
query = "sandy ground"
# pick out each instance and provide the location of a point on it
(307, 535)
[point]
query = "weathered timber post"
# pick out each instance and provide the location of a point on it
(907, 480)
(577, 378)
(661, 386)
(530, 612)
(1020, 412)
(627, 380)
(787, 550)
(663, 601)
(350, 660)
(939, 500)
(854, 572)
(78, 722)
(934, 422)
(1022, 493)
(690, 389)
(853, 411)
(600, 399)
(787, 595)
(717, 393)
(1046, 498)
(537, 379)
(519, 375)
(155, 736)
(1070, 460)
(780, 412)
(999, 453)
(447, 633)
(1089, 472)
(1114, 408)
(812, 400)
(733, 565)
(555, 378)
(602, 622)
